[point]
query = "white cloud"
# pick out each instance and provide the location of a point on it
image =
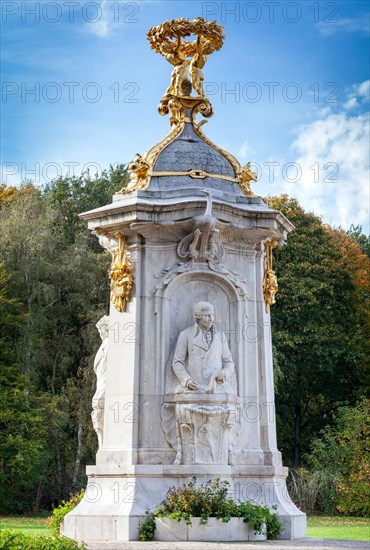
(108, 15)
(358, 94)
(346, 24)
(101, 23)
(333, 157)
(364, 89)
(351, 103)
(245, 151)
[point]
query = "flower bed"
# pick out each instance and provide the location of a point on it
(205, 513)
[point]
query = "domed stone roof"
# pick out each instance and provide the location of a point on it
(189, 152)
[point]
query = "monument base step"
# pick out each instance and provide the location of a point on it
(113, 504)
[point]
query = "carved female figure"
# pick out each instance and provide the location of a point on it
(100, 369)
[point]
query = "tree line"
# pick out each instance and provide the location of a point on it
(54, 287)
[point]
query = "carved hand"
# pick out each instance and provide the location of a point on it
(220, 377)
(192, 385)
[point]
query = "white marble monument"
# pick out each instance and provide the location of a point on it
(188, 388)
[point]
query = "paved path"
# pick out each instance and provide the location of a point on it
(301, 544)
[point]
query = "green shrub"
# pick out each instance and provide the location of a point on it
(17, 540)
(354, 492)
(343, 451)
(57, 515)
(147, 526)
(205, 501)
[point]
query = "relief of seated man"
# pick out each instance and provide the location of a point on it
(204, 367)
(202, 361)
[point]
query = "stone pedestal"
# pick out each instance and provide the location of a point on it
(235, 434)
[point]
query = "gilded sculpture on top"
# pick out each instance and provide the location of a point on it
(169, 39)
(196, 66)
(188, 56)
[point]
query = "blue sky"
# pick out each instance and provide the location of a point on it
(290, 91)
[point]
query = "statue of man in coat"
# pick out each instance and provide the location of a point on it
(202, 361)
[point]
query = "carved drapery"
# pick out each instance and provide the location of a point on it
(200, 430)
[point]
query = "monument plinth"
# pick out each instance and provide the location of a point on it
(187, 370)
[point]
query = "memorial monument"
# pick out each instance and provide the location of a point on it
(186, 376)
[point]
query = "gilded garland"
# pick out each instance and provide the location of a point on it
(270, 284)
(121, 277)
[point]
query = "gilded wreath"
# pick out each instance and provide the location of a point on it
(187, 56)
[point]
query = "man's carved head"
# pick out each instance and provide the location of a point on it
(204, 315)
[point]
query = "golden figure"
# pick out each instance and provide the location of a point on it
(245, 176)
(139, 175)
(139, 167)
(170, 40)
(173, 54)
(121, 277)
(270, 284)
(179, 52)
(196, 66)
(270, 288)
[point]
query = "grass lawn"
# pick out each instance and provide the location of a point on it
(31, 525)
(338, 527)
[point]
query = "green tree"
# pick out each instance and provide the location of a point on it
(6, 194)
(60, 281)
(314, 322)
(72, 195)
(355, 233)
(343, 451)
(23, 449)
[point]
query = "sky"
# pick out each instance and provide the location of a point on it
(290, 91)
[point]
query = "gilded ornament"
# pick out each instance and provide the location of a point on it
(270, 284)
(121, 277)
(179, 105)
(139, 175)
(245, 176)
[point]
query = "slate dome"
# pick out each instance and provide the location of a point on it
(189, 152)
